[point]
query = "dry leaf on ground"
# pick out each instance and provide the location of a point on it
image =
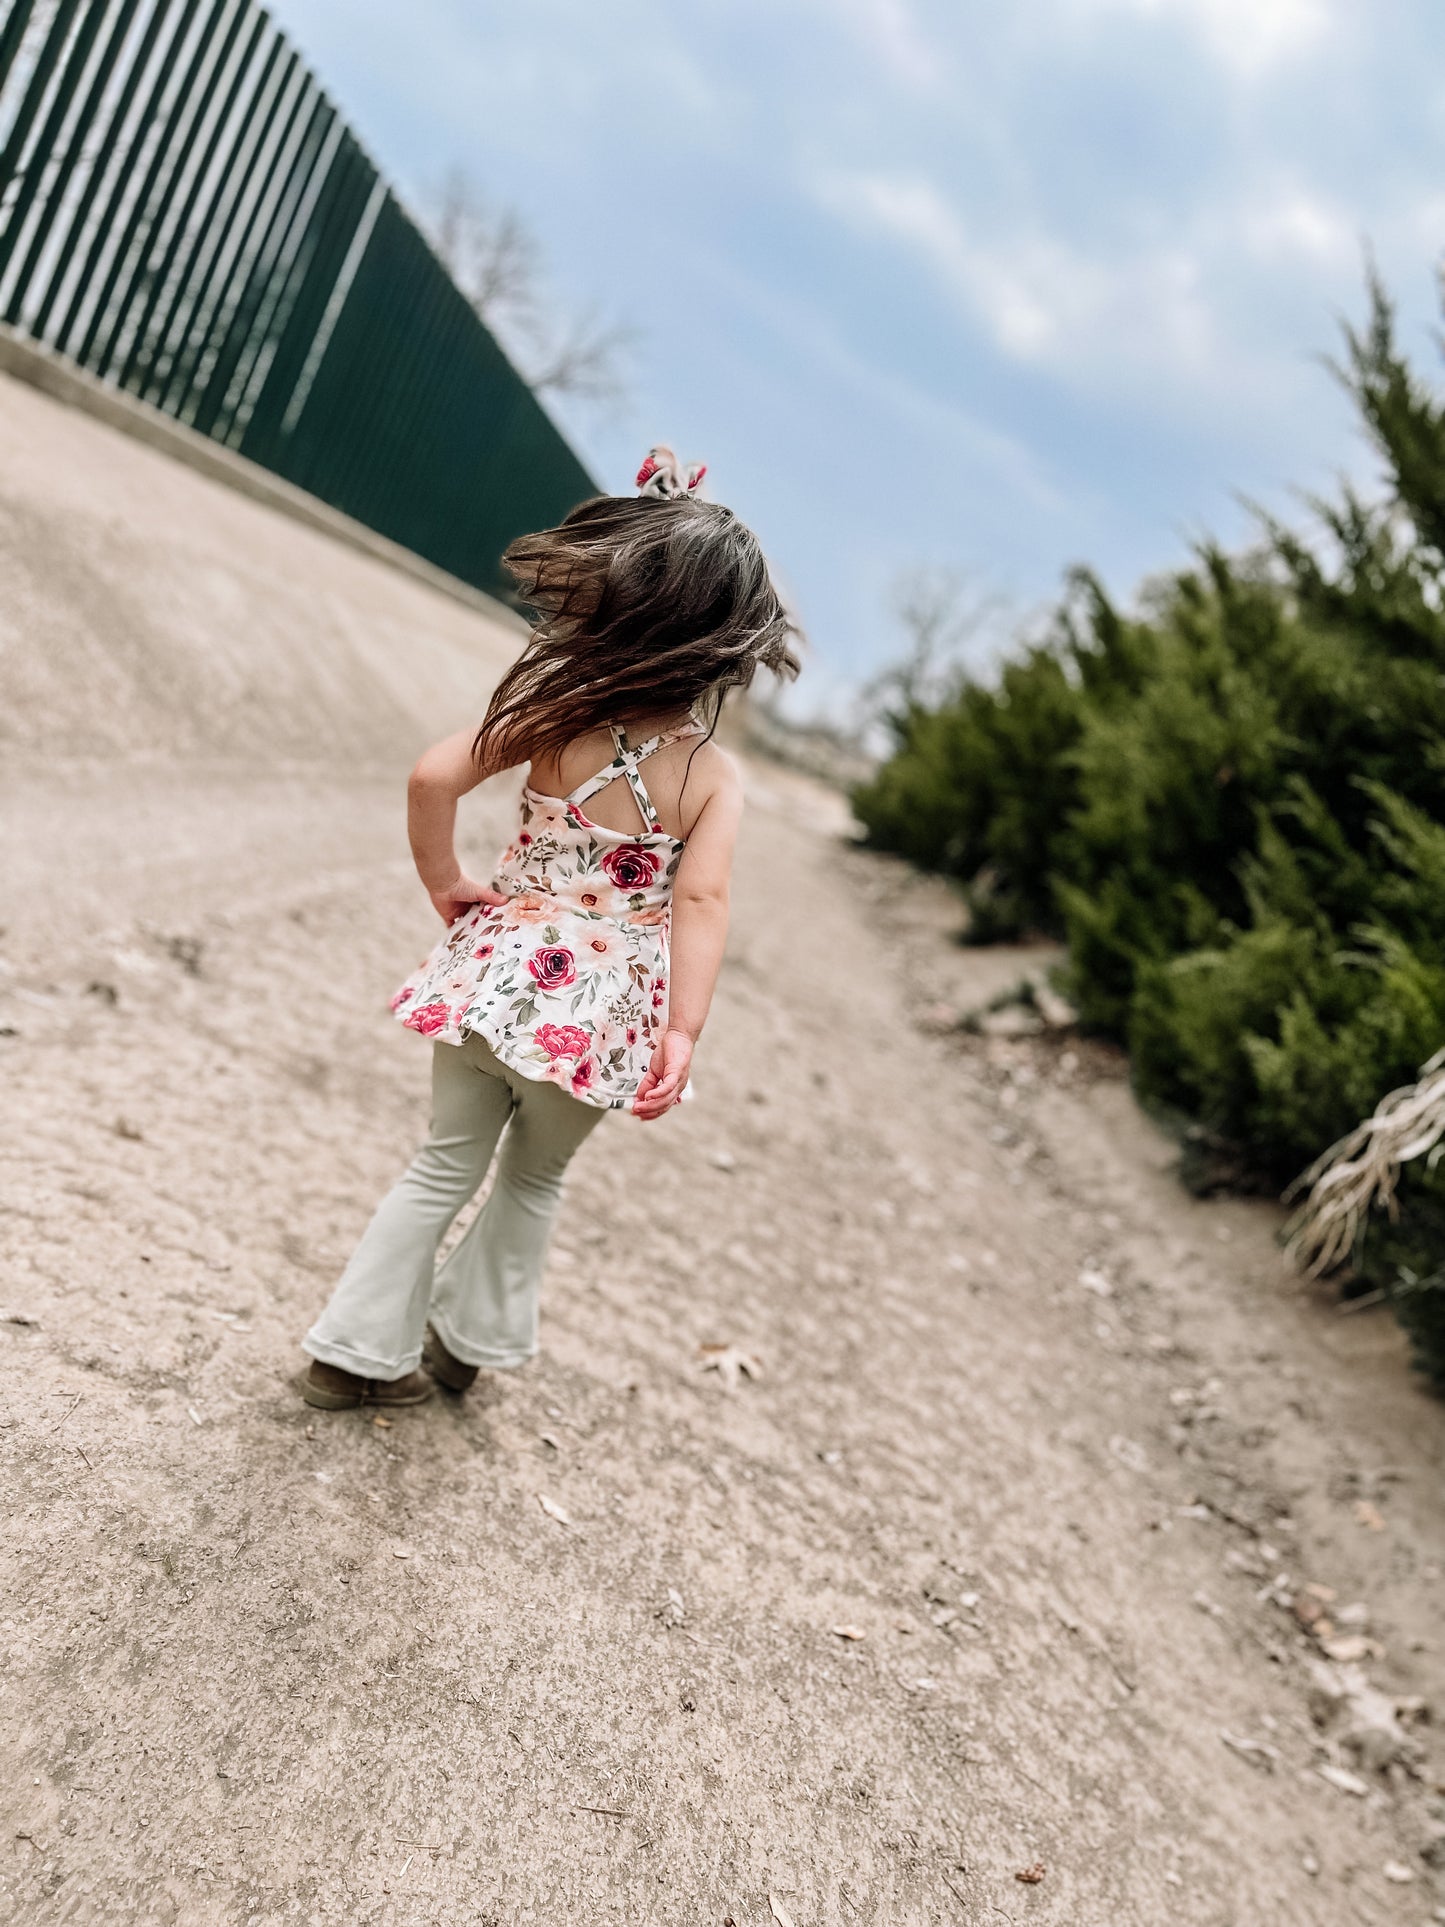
(553, 1510)
(1031, 1876)
(1369, 1515)
(850, 1632)
(1310, 1613)
(779, 1911)
(730, 1363)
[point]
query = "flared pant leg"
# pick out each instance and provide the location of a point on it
(485, 1304)
(484, 1298)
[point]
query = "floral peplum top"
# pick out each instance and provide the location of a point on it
(567, 980)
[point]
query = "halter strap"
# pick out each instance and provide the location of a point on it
(625, 763)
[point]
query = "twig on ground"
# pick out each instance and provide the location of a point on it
(68, 1410)
(1024, 1773)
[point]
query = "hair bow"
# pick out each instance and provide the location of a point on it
(663, 475)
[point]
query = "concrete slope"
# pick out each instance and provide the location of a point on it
(148, 613)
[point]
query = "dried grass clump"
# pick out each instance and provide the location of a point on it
(1363, 1170)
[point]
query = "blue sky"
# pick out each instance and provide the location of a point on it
(942, 282)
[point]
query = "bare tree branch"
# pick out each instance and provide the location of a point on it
(587, 360)
(940, 615)
(490, 255)
(497, 264)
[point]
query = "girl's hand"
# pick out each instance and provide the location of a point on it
(459, 896)
(665, 1079)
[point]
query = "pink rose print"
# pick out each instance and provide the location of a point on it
(631, 867)
(562, 1040)
(483, 951)
(407, 990)
(582, 1076)
(553, 967)
(525, 838)
(429, 1018)
(590, 899)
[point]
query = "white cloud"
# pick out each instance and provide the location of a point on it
(1042, 300)
(916, 409)
(1296, 223)
(1421, 227)
(891, 33)
(1250, 37)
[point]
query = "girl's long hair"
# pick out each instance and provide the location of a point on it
(641, 605)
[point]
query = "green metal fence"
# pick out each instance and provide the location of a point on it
(185, 213)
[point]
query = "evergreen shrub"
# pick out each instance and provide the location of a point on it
(1231, 806)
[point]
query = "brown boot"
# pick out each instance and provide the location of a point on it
(445, 1369)
(337, 1391)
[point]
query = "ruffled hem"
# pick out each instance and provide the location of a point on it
(534, 1072)
(573, 1000)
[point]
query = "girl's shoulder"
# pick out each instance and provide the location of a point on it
(713, 783)
(708, 762)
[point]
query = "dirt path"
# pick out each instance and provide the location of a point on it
(1056, 1441)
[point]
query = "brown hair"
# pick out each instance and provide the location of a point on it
(642, 605)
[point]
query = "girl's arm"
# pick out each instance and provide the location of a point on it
(443, 774)
(699, 932)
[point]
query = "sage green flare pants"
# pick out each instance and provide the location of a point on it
(482, 1300)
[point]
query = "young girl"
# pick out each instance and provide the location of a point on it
(552, 997)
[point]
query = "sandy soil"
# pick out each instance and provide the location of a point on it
(1054, 1441)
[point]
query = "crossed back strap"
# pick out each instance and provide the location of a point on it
(625, 763)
